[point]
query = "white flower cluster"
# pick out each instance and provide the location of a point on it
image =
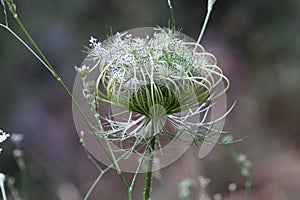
(133, 61)
(3, 137)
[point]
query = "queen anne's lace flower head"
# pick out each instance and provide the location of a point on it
(163, 80)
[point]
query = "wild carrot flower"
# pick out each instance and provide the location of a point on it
(163, 80)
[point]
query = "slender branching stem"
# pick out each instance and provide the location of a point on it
(95, 183)
(36, 47)
(102, 172)
(42, 58)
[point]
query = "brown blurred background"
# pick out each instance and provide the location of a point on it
(256, 43)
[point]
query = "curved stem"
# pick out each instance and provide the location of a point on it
(204, 26)
(210, 4)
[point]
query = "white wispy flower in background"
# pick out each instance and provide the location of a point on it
(3, 137)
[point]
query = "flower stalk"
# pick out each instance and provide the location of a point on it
(210, 4)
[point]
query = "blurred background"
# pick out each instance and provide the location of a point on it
(257, 45)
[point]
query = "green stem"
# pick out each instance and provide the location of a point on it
(149, 170)
(210, 4)
(123, 179)
(94, 185)
(172, 15)
(129, 194)
(134, 178)
(204, 26)
(102, 172)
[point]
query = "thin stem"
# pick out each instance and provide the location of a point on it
(123, 179)
(204, 26)
(36, 46)
(112, 158)
(95, 184)
(173, 24)
(102, 172)
(3, 191)
(90, 157)
(210, 4)
(132, 183)
(134, 178)
(149, 170)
